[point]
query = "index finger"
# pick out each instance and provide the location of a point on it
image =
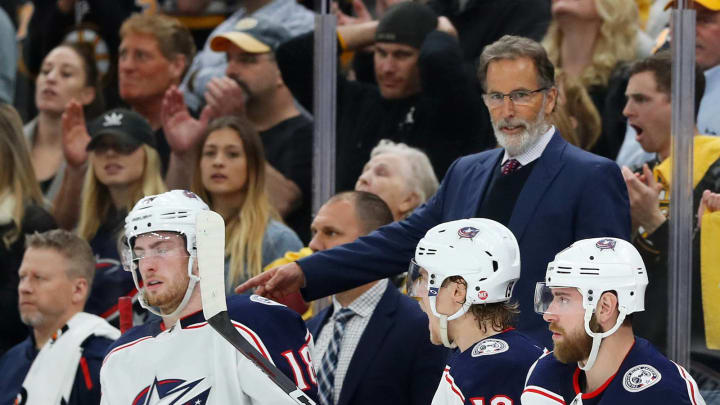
(257, 281)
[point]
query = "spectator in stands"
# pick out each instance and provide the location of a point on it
(253, 88)
(8, 63)
(649, 112)
(68, 74)
(536, 185)
(575, 116)
(21, 212)
(59, 363)
(230, 176)
(480, 23)
(385, 333)
(123, 168)
(209, 66)
(400, 175)
(53, 22)
(587, 39)
(424, 97)
(154, 54)
(707, 56)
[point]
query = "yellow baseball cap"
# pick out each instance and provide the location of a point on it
(252, 35)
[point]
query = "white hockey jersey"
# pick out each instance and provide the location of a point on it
(191, 363)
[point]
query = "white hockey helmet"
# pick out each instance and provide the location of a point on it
(173, 211)
(483, 252)
(593, 267)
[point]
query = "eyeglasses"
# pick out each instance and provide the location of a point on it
(518, 97)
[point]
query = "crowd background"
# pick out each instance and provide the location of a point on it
(235, 125)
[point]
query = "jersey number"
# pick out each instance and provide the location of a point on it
(300, 380)
(496, 400)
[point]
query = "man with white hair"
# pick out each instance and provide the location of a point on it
(399, 174)
(547, 192)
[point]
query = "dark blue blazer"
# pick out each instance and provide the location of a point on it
(394, 362)
(570, 195)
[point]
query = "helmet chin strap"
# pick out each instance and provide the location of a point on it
(444, 334)
(443, 324)
(598, 337)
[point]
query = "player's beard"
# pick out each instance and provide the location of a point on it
(171, 296)
(518, 144)
(574, 347)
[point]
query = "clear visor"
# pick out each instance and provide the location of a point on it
(152, 245)
(557, 300)
(416, 282)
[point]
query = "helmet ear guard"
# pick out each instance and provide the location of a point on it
(481, 251)
(594, 267)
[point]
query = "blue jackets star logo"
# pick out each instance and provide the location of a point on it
(176, 391)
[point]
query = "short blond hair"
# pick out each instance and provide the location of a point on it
(173, 38)
(74, 248)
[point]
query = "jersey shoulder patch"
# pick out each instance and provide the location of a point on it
(489, 347)
(641, 377)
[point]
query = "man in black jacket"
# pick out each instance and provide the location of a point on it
(424, 98)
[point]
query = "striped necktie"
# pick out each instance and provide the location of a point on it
(326, 374)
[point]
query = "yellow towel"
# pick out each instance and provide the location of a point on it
(710, 277)
(289, 258)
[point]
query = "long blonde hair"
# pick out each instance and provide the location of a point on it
(96, 200)
(17, 175)
(576, 117)
(615, 41)
(245, 229)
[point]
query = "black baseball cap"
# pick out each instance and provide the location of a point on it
(126, 126)
(252, 35)
(406, 23)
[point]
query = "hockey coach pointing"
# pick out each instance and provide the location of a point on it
(185, 360)
(547, 192)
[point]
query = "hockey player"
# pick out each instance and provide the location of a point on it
(188, 362)
(590, 290)
(464, 272)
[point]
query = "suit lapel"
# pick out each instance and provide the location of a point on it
(480, 175)
(380, 323)
(544, 173)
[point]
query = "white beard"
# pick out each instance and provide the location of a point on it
(518, 144)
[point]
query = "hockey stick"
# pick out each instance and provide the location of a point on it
(210, 235)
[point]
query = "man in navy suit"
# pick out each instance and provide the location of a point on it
(546, 191)
(372, 345)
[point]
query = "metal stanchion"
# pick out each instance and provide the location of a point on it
(681, 200)
(324, 110)
(325, 80)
